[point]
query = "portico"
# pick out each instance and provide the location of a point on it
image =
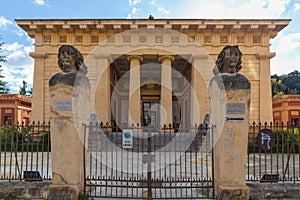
(159, 67)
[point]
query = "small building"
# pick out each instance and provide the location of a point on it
(286, 108)
(15, 108)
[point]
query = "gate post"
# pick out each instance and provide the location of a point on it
(230, 101)
(69, 108)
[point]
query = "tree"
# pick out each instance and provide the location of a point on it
(22, 90)
(3, 85)
(286, 84)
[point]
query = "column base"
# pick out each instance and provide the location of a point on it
(231, 192)
(66, 192)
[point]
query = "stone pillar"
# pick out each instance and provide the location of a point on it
(166, 90)
(230, 97)
(265, 90)
(38, 105)
(69, 107)
(201, 74)
(101, 92)
(69, 100)
(134, 114)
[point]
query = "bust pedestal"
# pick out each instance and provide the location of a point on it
(69, 108)
(230, 96)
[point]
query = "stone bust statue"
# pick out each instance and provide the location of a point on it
(229, 60)
(228, 64)
(71, 62)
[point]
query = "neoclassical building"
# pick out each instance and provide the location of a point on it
(153, 70)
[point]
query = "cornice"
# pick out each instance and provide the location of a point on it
(271, 26)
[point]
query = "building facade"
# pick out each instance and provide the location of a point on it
(286, 109)
(155, 70)
(15, 108)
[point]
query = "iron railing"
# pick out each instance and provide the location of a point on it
(158, 164)
(25, 152)
(279, 162)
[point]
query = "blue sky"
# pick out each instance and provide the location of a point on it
(19, 65)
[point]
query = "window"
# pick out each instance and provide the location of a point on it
(47, 39)
(240, 39)
(126, 39)
(78, 39)
(94, 39)
(158, 39)
(207, 39)
(175, 112)
(142, 39)
(63, 39)
(174, 39)
(256, 39)
(8, 120)
(191, 39)
(224, 39)
(295, 121)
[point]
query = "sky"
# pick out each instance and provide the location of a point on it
(17, 44)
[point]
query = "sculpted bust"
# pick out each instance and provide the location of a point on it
(228, 64)
(70, 61)
(229, 60)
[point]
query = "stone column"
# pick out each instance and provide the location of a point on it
(100, 78)
(69, 105)
(230, 102)
(265, 91)
(38, 107)
(201, 74)
(166, 90)
(69, 93)
(134, 114)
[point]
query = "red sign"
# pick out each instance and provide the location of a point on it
(265, 139)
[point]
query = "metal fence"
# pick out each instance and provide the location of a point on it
(147, 163)
(25, 152)
(273, 153)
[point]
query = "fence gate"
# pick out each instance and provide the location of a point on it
(143, 163)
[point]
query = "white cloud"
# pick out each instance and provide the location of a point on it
(134, 2)
(153, 2)
(19, 65)
(232, 9)
(134, 10)
(40, 2)
(280, 65)
(287, 43)
(296, 6)
(129, 16)
(162, 10)
(4, 22)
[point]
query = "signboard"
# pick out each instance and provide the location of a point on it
(127, 141)
(63, 105)
(265, 139)
(235, 109)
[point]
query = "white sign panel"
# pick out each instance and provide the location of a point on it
(127, 141)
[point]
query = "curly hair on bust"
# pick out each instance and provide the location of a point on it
(71, 50)
(219, 62)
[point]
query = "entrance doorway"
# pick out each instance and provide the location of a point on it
(151, 114)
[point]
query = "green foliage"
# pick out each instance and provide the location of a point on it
(285, 140)
(83, 196)
(286, 83)
(3, 85)
(22, 139)
(22, 90)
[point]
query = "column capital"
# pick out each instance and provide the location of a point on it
(38, 55)
(140, 57)
(265, 55)
(163, 57)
